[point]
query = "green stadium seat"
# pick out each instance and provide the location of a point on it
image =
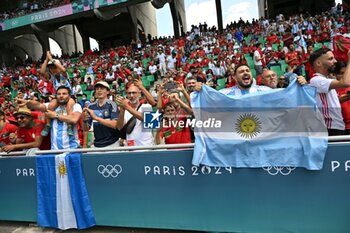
(327, 44)
(144, 78)
(275, 47)
(251, 64)
(253, 72)
(317, 46)
(221, 82)
(283, 67)
(150, 78)
(145, 62)
(277, 69)
(146, 83)
(83, 87)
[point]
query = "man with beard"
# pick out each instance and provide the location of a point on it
(293, 59)
(190, 84)
(323, 62)
(244, 81)
(60, 139)
(131, 117)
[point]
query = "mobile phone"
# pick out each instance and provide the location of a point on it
(170, 86)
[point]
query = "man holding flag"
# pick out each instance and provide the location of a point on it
(63, 200)
(258, 125)
(323, 62)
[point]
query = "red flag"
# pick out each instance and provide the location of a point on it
(341, 46)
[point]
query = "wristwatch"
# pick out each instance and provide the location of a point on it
(57, 115)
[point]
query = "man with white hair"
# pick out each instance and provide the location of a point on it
(131, 117)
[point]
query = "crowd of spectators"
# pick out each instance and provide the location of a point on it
(31, 6)
(111, 88)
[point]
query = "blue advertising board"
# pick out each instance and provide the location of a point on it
(161, 189)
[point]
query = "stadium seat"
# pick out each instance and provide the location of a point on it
(253, 73)
(144, 78)
(221, 82)
(150, 78)
(146, 83)
(251, 64)
(145, 62)
(328, 44)
(283, 67)
(277, 69)
(275, 47)
(317, 46)
(83, 86)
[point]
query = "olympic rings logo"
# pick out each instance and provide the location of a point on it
(279, 170)
(109, 170)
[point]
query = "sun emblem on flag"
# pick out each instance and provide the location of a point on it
(248, 125)
(62, 169)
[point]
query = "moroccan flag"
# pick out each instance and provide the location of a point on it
(341, 45)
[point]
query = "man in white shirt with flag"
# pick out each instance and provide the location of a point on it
(323, 62)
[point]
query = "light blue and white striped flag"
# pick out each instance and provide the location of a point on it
(280, 127)
(63, 201)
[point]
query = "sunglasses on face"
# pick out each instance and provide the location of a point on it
(20, 117)
(132, 93)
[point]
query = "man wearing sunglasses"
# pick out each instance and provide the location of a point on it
(28, 133)
(60, 138)
(131, 116)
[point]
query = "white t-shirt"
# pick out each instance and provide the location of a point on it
(257, 55)
(138, 70)
(161, 58)
(171, 62)
(152, 69)
(142, 137)
(328, 102)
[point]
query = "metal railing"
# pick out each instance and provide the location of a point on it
(344, 139)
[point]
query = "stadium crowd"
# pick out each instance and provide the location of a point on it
(97, 99)
(29, 7)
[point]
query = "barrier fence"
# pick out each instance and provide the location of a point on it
(161, 189)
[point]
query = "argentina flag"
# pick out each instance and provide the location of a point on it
(280, 127)
(63, 201)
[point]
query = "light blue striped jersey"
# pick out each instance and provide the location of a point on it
(59, 135)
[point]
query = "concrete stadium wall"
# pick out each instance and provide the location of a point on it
(146, 14)
(180, 5)
(30, 44)
(69, 39)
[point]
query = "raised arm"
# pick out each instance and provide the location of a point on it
(31, 104)
(145, 92)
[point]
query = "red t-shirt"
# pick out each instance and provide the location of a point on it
(29, 134)
(6, 80)
(345, 107)
(272, 40)
(5, 132)
(292, 55)
(176, 134)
